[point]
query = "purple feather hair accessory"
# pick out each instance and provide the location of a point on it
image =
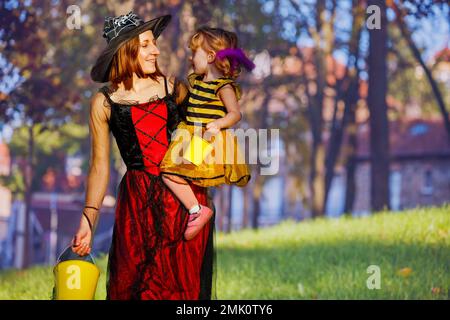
(236, 56)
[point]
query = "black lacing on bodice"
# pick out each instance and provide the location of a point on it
(124, 129)
(154, 137)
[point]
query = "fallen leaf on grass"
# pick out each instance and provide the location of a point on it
(405, 272)
(436, 290)
(442, 233)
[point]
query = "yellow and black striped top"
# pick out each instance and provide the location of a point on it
(204, 104)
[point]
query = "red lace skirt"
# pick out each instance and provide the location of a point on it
(149, 258)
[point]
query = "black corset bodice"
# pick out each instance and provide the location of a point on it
(142, 130)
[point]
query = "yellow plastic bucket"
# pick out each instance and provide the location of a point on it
(76, 277)
(197, 150)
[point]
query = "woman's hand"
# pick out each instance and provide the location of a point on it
(81, 242)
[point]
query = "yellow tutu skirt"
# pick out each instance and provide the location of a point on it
(206, 162)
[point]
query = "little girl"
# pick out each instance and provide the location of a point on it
(212, 107)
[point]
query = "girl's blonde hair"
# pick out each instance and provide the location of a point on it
(216, 39)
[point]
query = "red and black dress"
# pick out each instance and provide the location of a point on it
(149, 258)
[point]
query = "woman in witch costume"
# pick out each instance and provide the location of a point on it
(149, 257)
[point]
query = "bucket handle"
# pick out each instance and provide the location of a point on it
(68, 251)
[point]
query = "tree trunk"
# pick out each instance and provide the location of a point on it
(284, 193)
(28, 250)
(347, 90)
(379, 126)
(321, 36)
(352, 131)
(259, 180)
(416, 53)
(317, 179)
(350, 189)
(256, 196)
(245, 213)
(317, 175)
(229, 212)
(256, 212)
(333, 146)
(218, 200)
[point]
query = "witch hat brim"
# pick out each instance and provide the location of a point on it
(100, 70)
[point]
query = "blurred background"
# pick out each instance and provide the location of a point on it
(360, 95)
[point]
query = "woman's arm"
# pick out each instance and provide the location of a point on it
(99, 163)
(98, 175)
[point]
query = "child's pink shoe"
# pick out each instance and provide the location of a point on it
(197, 221)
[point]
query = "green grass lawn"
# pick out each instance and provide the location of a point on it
(321, 259)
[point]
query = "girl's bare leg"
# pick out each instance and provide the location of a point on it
(198, 215)
(182, 190)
